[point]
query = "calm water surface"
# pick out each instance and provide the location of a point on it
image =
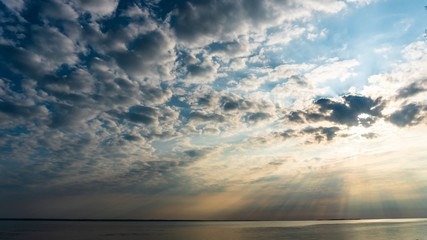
(399, 229)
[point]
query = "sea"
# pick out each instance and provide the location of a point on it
(375, 229)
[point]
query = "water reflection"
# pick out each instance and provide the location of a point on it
(347, 230)
(306, 230)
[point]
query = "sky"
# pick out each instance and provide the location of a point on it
(213, 109)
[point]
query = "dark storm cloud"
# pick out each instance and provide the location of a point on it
(412, 89)
(408, 115)
(345, 113)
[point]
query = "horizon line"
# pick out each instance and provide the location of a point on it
(183, 220)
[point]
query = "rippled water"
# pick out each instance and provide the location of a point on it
(387, 229)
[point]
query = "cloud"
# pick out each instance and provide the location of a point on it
(149, 116)
(69, 116)
(195, 153)
(408, 115)
(155, 95)
(211, 130)
(156, 99)
(145, 55)
(234, 48)
(201, 72)
(56, 9)
(202, 22)
(53, 46)
(15, 110)
(230, 109)
(76, 82)
(321, 132)
(370, 135)
(361, 2)
(23, 61)
(207, 100)
(346, 113)
(271, 138)
(141, 114)
(341, 70)
(258, 116)
(202, 117)
(250, 83)
(415, 51)
(16, 7)
(300, 134)
(97, 9)
(132, 138)
(233, 103)
(199, 20)
(285, 34)
(412, 89)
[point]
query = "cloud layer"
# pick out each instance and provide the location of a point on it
(154, 99)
